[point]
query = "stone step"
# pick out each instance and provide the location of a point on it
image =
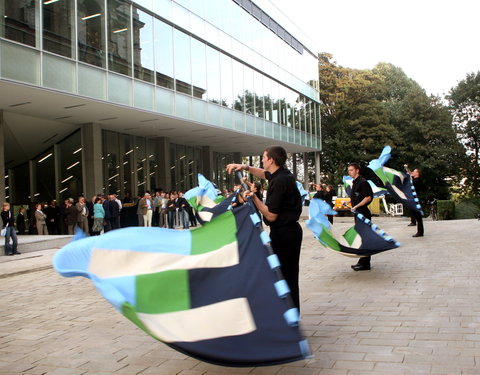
(27, 243)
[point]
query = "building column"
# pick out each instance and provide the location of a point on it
(317, 168)
(305, 171)
(208, 165)
(92, 164)
(294, 165)
(163, 163)
(2, 158)
(237, 157)
(56, 155)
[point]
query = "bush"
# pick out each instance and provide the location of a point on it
(466, 210)
(446, 209)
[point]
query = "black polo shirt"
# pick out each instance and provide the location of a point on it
(283, 198)
(361, 189)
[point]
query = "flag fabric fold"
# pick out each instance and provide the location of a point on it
(398, 184)
(212, 292)
(363, 239)
(206, 202)
(377, 191)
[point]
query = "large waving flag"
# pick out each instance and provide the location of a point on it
(205, 200)
(302, 191)
(377, 191)
(212, 292)
(398, 184)
(363, 239)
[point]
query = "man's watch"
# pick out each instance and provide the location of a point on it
(247, 167)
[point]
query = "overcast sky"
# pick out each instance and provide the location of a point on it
(435, 42)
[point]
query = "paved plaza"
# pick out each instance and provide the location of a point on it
(416, 312)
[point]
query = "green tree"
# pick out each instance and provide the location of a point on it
(427, 139)
(465, 105)
(364, 110)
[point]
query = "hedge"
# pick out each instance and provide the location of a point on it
(446, 209)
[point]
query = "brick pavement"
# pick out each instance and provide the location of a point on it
(416, 312)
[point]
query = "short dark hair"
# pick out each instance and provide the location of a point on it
(278, 154)
(354, 165)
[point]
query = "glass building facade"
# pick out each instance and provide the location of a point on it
(231, 65)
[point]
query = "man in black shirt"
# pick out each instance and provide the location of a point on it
(360, 197)
(416, 217)
(281, 212)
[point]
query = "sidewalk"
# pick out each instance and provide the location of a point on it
(416, 312)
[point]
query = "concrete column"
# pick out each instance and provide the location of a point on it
(92, 164)
(305, 171)
(294, 165)
(2, 158)
(208, 165)
(11, 184)
(237, 157)
(56, 155)
(317, 168)
(32, 170)
(163, 163)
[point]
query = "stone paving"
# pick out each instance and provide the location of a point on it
(416, 312)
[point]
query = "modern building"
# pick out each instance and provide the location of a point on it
(117, 95)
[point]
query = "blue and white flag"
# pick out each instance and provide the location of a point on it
(398, 184)
(363, 239)
(211, 292)
(377, 191)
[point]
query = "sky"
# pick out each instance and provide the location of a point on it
(435, 42)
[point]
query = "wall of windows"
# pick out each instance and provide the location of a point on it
(125, 39)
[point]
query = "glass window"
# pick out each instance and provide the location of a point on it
(183, 75)
(199, 69)
(282, 105)
(119, 36)
(152, 164)
(91, 31)
(71, 184)
(143, 45)
(164, 54)
(296, 112)
(127, 152)
(140, 163)
(173, 168)
(19, 21)
(259, 95)
(180, 162)
(226, 80)
(290, 104)
(58, 27)
(249, 90)
(239, 90)
(45, 177)
(21, 183)
(267, 88)
(302, 112)
(111, 162)
(275, 102)
(191, 171)
(213, 75)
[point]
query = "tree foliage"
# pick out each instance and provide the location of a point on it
(465, 105)
(364, 110)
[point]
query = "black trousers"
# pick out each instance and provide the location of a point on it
(286, 243)
(417, 219)
(365, 261)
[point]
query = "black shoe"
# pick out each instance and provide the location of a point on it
(417, 235)
(359, 267)
(16, 252)
(411, 225)
(9, 254)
